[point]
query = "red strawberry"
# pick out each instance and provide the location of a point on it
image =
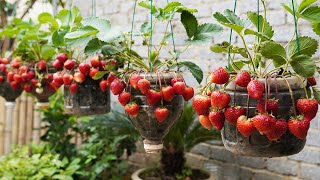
(132, 109)
(312, 81)
(143, 85)
(102, 65)
(124, 98)
(73, 88)
(217, 119)
(116, 87)
(264, 123)
(308, 107)
(188, 93)
(3, 67)
(48, 78)
(280, 128)
(69, 64)
(67, 79)
(24, 77)
(242, 79)
(27, 88)
(220, 76)
(23, 69)
(31, 75)
(153, 97)
(168, 93)
(161, 114)
(272, 106)
(17, 78)
(57, 78)
(55, 85)
(93, 72)
(34, 82)
(233, 113)
(57, 64)
(14, 85)
(110, 78)
(42, 65)
(15, 63)
(84, 68)
(103, 85)
(201, 104)
(62, 57)
(95, 61)
(179, 87)
(255, 89)
(134, 80)
(220, 99)
(1, 79)
(299, 127)
(174, 80)
(205, 122)
(245, 126)
(6, 60)
(79, 77)
(10, 76)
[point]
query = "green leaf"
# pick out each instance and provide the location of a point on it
(189, 22)
(147, 4)
(64, 17)
(316, 93)
(230, 20)
(307, 45)
(194, 69)
(204, 33)
(225, 47)
(255, 33)
(303, 65)
(312, 14)
(109, 50)
(236, 66)
(99, 75)
(58, 38)
(48, 18)
(304, 4)
(261, 23)
(97, 23)
(316, 28)
(78, 43)
(82, 32)
(274, 51)
(47, 52)
(93, 46)
(145, 28)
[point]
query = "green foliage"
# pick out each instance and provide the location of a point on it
(36, 163)
(193, 68)
(274, 51)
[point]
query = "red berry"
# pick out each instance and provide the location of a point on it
(168, 93)
(245, 126)
(220, 76)
(243, 78)
(124, 98)
(62, 57)
(1, 79)
(84, 68)
(205, 122)
(272, 106)
(24, 77)
(161, 114)
(34, 82)
(31, 75)
(255, 89)
(42, 65)
(73, 88)
(132, 109)
(298, 127)
(134, 80)
(220, 99)
(188, 93)
(264, 123)
(15, 63)
(179, 87)
(308, 107)
(57, 64)
(69, 64)
(102, 65)
(10, 76)
(116, 87)
(5, 60)
(23, 69)
(95, 61)
(14, 85)
(93, 72)
(57, 79)
(201, 104)
(111, 77)
(280, 128)
(49, 78)
(103, 85)
(217, 119)
(233, 113)
(174, 80)
(79, 77)
(312, 81)
(3, 67)
(27, 88)
(67, 79)
(153, 97)
(144, 85)
(17, 78)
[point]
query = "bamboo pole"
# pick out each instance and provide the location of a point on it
(29, 119)
(22, 120)
(2, 123)
(8, 125)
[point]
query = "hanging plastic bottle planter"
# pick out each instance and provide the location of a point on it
(262, 111)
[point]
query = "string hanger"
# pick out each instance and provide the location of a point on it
(230, 37)
(295, 25)
(94, 7)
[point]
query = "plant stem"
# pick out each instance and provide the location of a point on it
(304, 87)
(246, 47)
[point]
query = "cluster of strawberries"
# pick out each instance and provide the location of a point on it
(213, 109)
(153, 96)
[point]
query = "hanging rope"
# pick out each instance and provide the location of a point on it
(54, 7)
(172, 36)
(93, 3)
(295, 26)
(258, 11)
(151, 27)
(230, 38)
(132, 23)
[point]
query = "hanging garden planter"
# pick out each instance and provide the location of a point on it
(8, 92)
(263, 102)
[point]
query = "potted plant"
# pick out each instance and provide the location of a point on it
(152, 90)
(266, 98)
(183, 136)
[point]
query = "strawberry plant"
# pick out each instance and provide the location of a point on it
(252, 93)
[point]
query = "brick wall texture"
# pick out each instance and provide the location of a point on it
(213, 156)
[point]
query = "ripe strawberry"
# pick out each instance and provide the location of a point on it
(27, 88)
(299, 127)
(69, 64)
(57, 64)
(84, 68)
(23, 69)
(10, 76)
(95, 61)
(17, 78)
(242, 79)
(111, 77)
(217, 119)
(220, 76)
(79, 77)
(233, 113)
(54, 85)
(174, 80)
(220, 99)
(134, 80)
(103, 85)
(132, 109)
(255, 89)
(272, 106)
(308, 107)
(143, 85)
(153, 97)
(179, 87)
(124, 98)
(205, 122)
(31, 75)
(14, 85)
(1, 79)
(58, 79)
(201, 104)
(15, 63)
(116, 87)
(168, 93)
(245, 126)
(5, 60)
(93, 72)
(24, 77)
(188, 93)
(312, 81)
(3, 67)
(67, 79)
(42, 65)
(48, 78)
(102, 65)
(73, 88)
(62, 57)
(264, 123)
(34, 82)
(161, 114)
(280, 128)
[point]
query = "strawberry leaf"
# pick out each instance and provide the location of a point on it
(194, 69)
(48, 18)
(316, 28)
(274, 51)
(99, 75)
(261, 23)
(189, 22)
(229, 19)
(303, 65)
(307, 46)
(93, 46)
(316, 93)
(305, 3)
(312, 14)
(225, 47)
(204, 33)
